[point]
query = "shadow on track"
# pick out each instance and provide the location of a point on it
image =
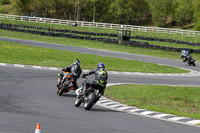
(68, 95)
(101, 110)
(104, 110)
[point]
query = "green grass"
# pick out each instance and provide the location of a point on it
(94, 44)
(22, 54)
(180, 101)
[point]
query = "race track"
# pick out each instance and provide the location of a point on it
(28, 96)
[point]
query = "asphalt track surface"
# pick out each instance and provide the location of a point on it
(28, 96)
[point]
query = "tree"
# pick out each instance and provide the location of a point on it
(118, 9)
(5, 6)
(183, 12)
(161, 11)
(94, 7)
(137, 10)
(196, 5)
(23, 6)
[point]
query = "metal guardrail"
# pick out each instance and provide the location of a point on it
(102, 25)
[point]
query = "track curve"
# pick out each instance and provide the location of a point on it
(28, 96)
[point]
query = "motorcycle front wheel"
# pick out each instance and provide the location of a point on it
(77, 102)
(62, 89)
(90, 100)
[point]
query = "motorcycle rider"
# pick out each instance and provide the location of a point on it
(186, 54)
(99, 82)
(75, 70)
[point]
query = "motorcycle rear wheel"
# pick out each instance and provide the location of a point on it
(90, 102)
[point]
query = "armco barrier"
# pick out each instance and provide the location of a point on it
(106, 40)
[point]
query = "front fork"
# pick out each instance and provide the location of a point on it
(58, 78)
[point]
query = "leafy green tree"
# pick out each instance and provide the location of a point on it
(23, 6)
(161, 11)
(67, 9)
(196, 4)
(197, 25)
(136, 10)
(4, 6)
(118, 10)
(102, 8)
(35, 8)
(183, 12)
(5, 2)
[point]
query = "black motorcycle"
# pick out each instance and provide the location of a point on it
(190, 61)
(89, 98)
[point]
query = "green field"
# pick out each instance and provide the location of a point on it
(105, 46)
(94, 44)
(180, 101)
(23, 54)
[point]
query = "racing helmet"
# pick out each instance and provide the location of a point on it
(77, 61)
(100, 65)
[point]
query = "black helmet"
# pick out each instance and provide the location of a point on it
(77, 61)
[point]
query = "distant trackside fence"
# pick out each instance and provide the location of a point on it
(102, 25)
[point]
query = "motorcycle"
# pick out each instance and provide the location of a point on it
(190, 61)
(89, 98)
(66, 83)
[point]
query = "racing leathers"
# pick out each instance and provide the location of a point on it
(185, 54)
(75, 70)
(100, 81)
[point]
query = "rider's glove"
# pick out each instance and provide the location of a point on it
(84, 75)
(74, 74)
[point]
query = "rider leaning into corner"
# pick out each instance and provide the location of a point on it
(185, 54)
(99, 82)
(75, 70)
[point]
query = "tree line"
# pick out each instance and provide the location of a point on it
(162, 13)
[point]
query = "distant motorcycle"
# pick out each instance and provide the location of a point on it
(190, 60)
(66, 83)
(89, 98)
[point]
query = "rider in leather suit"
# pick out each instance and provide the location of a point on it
(76, 71)
(100, 80)
(185, 54)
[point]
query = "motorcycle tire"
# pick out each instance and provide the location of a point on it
(77, 102)
(193, 64)
(90, 102)
(62, 89)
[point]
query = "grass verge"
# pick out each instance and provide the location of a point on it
(180, 101)
(94, 44)
(22, 54)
